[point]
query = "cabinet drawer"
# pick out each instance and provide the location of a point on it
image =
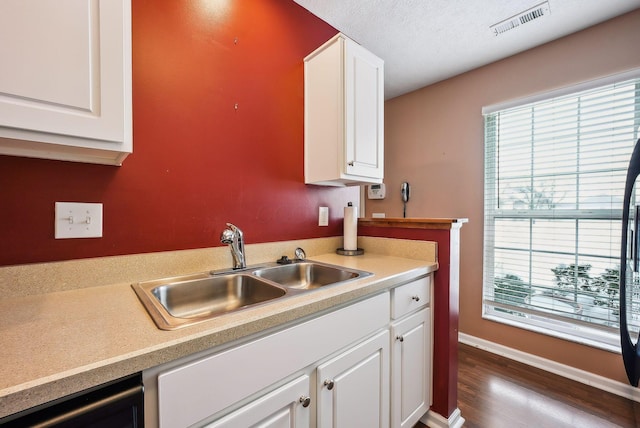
(411, 296)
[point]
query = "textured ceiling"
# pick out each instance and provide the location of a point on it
(425, 41)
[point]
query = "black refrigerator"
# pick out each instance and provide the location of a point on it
(629, 271)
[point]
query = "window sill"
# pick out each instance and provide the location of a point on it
(594, 343)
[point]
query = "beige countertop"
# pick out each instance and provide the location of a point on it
(61, 342)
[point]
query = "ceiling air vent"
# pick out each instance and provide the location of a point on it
(515, 21)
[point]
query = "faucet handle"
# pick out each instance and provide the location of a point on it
(235, 229)
(284, 260)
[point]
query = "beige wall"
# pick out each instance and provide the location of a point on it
(434, 140)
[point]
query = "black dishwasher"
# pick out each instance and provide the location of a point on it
(117, 404)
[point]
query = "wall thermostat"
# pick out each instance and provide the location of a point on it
(376, 191)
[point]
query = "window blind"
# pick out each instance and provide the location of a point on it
(555, 171)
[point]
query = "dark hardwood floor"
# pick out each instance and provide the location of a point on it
(496, 392)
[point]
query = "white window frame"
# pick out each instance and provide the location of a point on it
(549, 324)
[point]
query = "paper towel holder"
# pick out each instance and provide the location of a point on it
(350, 252)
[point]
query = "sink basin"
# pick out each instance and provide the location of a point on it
(175, 302)
(214, 295)
(308, 275)
(186, 300)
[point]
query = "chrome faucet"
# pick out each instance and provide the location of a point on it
(234, 238)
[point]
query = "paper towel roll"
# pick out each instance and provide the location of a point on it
(350, 227)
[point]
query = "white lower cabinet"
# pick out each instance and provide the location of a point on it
(203, 389)
(411, 369)
(286, 407)
(411, 352)
(353, 388)
(367, 364)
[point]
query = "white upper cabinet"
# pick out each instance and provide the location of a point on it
(65, 80)
(344, 115)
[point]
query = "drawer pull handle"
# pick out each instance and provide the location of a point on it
(329, 384)
(416, 298)
(305, 401)
(400, 338)
(351, 163)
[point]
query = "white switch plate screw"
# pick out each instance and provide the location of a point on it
(78, 220)
(323, 216)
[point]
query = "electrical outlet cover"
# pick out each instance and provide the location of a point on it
(323, 216)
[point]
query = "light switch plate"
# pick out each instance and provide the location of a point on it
(78, 220)
(323, 216)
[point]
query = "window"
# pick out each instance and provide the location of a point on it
(555, 168)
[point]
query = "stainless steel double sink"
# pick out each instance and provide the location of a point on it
(186, 300)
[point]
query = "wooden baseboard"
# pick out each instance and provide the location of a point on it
(582, 376)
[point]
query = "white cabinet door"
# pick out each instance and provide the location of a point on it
(364, 98)
(344, 108)
(65, 80)
(353, 388)
(411, 369)
(286, 407)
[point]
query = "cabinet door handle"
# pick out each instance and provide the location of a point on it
(351, 163)
(400, 338)
(329, 384)
(416, 298)
(305, 401)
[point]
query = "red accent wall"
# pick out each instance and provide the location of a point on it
(198, 162)
(445, 314)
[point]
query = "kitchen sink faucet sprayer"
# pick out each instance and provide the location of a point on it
(233, 237)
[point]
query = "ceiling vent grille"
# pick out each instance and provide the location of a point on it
(525, 17)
